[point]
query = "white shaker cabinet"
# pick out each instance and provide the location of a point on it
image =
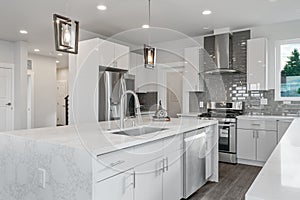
(246, 144)
(256, 139)
(172, 176)
(149, 180)
(106, 53)
(266, 143)
(257, 64)
(121, 53)
(118, 187)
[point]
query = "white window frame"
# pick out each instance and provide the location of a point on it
(278, 96)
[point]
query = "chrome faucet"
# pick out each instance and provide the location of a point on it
(122, 111)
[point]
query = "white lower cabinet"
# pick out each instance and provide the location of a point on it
(246, 144)
(266, 143)
(149, 180)
(173, 177)
(118, 187)
(282, 126)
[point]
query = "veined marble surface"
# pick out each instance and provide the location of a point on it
(265, 117)
(280, 177)
(66, 154)
(96, 138)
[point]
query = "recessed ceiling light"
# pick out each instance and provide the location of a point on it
(272, 1)
(57, 61)
(36, 50)
(146, 26)
(23, 32)
(206, 12)
(101, 7)
(60, 54)
(205, 28)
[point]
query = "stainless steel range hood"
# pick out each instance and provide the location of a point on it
(222, 55)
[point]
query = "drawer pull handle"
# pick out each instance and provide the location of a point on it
(117, 163)
(255, 124)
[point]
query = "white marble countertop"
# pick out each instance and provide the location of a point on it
(271, 117)
(190, 114)
(280, 177)
(95, 137)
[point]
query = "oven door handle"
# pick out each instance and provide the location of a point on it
(227, 125)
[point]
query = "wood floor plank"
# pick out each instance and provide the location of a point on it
(234, 181)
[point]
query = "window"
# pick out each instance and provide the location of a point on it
(288, 70)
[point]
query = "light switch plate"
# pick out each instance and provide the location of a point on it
(263, 101)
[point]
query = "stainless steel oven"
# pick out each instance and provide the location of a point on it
(227, 142)
(226, 114)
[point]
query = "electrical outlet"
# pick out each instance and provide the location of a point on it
(263, 101)
(42, 177)
(201, 104)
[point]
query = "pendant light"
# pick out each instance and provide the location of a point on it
(66, 33)
(149, 52)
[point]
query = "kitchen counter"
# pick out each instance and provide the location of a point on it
(280, 177)
(190, 114)
(96, 138)
(265, 117)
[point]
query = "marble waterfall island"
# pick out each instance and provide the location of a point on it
(85, 161)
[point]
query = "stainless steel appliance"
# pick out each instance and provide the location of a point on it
(194, 161)
(226, 114)
(113, 82)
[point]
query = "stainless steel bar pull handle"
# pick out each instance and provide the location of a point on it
(8, 104)
(167, 164)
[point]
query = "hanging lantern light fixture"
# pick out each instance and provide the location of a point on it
(66, 33)
(149, 52)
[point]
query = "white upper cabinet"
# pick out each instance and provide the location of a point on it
(113, 55)
(192, 80)
(106, 53)
(122, 56)
(257, 64)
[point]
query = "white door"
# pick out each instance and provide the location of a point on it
(148, 181)
(118, 187)
(30, 100)
(266, 143)
(172, 178)
(61, 107)
(246, 144)
(6, 109)
(174, 93)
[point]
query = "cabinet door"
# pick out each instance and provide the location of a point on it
(173, 176)
(106, 53)
(266, 143)
(118, 187)
(191, 72)
(246, 144)
(282, 126)
(122, 56)
(148, 180)
(257, 64)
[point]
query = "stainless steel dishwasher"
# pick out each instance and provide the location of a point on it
(194, 161)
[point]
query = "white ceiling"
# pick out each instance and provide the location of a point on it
(181, 15)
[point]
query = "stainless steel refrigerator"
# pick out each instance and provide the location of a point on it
(112, 83)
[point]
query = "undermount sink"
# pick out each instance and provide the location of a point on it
(138, 131)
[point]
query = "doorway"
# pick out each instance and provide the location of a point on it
(174, 93)
(30, 99)
(62, 92)
(6, 104)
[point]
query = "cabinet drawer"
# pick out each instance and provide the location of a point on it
(173, 144)
(110, 164)
(255, 124)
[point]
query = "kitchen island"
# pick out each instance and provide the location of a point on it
(280, 176)
(87, 161)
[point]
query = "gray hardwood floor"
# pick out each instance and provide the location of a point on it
(234, 181)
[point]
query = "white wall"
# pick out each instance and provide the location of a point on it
(16, 53)
(62, 74)
(44, 69)
(275, 32)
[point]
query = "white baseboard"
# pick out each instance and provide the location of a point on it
(251, 162)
